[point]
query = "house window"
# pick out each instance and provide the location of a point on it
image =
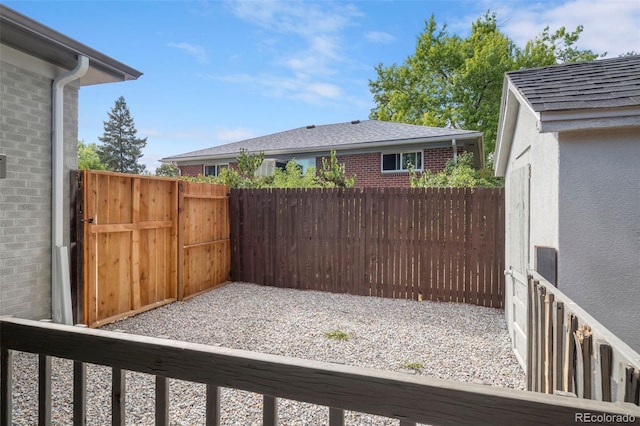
(214, 170)
(400, 161)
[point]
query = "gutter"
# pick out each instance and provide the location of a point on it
(60, 275)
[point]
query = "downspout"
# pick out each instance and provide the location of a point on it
(455, 151)
(60, 276)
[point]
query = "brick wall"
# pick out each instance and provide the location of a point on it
(193, 170)
(25, 195)
(367, 167)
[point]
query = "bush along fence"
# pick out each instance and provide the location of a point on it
(444, 244)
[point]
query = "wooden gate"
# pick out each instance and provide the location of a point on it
(145, 241)
(204, 257)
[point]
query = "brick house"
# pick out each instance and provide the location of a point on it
(41, 72)
(377, 152)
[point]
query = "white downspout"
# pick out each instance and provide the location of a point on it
(60, 282)
(455, 150)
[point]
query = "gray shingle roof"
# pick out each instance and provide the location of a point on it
(606, 83)
(329, 136)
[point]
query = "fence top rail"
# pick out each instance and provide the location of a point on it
(600, 332)
(390, 394)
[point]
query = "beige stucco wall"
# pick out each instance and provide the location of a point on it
(599, 222)
(540, 151)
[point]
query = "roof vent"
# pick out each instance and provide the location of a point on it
(355, 122)
(311, 126)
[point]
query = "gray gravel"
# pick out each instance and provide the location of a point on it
(449, 341)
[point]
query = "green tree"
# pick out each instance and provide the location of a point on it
(88, 157)
(121, 149)
(168, 170)
(456, 174)
(332, 174)
(451, 81)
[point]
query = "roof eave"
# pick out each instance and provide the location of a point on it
(25, 34)
(585, 119)
(346, 147)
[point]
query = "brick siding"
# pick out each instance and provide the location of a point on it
(191, 170)
(25, 195)
(367, 167)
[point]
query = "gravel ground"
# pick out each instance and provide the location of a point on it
(449, 341)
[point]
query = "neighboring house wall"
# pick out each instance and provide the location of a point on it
(25, 195)
(191, 170)
(366, 167)
(540, 151)
(599, 222)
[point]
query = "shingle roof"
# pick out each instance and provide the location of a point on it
(328, 136)
(606, 83)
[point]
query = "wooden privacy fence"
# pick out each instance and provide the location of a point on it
(411, 399)
(443, 244)
(569, 351)
(143, 241)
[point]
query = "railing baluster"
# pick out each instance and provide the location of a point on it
(270, 411)
(118, 389)
(6, 384)
(162, 401)
(44, 390)
(79, 393)
(213, 405)
(336, 417)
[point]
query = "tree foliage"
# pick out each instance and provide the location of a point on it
(88, 157)
(121, 149)
(456, 82)
(456, 174)
(331, 175)
(167, 170)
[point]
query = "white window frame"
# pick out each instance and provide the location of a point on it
(402, 168)
(217, 169)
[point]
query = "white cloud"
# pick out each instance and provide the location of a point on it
(379, 37)
(194, 50)
(611, 26)
(309, 72)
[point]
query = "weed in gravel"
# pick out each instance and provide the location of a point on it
(336, 335)
(415, 366)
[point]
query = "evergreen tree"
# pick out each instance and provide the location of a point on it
(121, 149)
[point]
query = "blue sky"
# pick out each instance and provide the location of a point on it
(222, 71)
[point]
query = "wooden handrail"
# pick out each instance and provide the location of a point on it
(396, 395)
(565, 344)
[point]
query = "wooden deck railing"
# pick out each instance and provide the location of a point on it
(408, 398)
(569, 351)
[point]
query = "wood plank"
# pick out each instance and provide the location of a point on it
(336, 417)
(213, 405)
(605, 352)
(79, 393)
(373, 391)
(135, 245)
(269, 410)
(530, 332)
(569, 368)
(548, 343)
(44, 390)
(540, 293)
(162, 401)
(558, 348)
(118, 392)
(584, 336)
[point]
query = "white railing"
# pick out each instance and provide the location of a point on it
(570, 352)
(411, 399)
